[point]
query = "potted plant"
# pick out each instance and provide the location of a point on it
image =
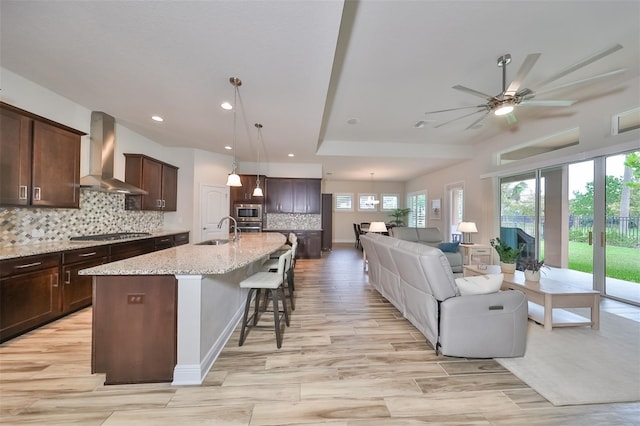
(508, 255)
(532, 268)
(399, 215)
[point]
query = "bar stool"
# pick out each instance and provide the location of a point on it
(271, 265)
(272, 283)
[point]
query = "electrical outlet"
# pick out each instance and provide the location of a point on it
(135, 299)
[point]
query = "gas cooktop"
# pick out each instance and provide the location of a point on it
(110, 237)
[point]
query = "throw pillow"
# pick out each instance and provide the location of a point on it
(481, 284)
(449, 247)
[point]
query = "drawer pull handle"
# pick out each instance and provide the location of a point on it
(88, 254)
(22, 192)
(28, 265)
(54, 280)
(37, 193)
(68, 281)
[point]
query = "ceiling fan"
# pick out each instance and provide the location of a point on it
(513, 95)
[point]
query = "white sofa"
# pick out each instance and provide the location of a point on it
(430, 237)
(418, 281)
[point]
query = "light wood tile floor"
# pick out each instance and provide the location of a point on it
(348, 359)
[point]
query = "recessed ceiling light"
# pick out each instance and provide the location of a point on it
(157, 118)
(353, 120)
(226, 105)
(227, 147)
(291, 155)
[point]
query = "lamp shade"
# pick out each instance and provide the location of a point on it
(377, 227)
(467, 227)
(257, 192)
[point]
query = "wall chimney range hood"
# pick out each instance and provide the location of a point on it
(101, 153)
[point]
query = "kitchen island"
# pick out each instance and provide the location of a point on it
(165, 316)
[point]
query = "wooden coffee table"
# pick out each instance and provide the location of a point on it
(547, 297)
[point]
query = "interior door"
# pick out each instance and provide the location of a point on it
(214, 205)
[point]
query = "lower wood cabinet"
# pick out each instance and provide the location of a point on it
(29, 293)
(309, 243)
(77, 289)
(35, 290)
(137, 315)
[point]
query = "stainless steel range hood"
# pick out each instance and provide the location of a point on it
(101, 152)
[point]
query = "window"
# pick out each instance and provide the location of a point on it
(344, 202)
(417, 202)
(366, 202)
(389, 202)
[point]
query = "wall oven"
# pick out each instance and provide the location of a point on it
(250, 226)
(248, 212)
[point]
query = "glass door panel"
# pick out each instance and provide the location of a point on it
(518, 212)
(621, 241)
(581, 216)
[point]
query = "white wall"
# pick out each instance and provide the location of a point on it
(343, 221)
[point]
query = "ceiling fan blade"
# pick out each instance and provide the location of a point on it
(457, 118)
(583, 81)
(474, 92)
(454, 109)
(546, 103)
(581, 64)
(522, 73)
(477, 121)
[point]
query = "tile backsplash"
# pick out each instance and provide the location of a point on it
(99, 213)
(280, 221)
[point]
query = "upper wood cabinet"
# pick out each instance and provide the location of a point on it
(293, 195)
(159, 179)
(39, 161)
(244, 193)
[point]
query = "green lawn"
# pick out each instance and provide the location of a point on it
(622, 262)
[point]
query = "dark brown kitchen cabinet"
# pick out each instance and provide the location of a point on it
(309, 244)
(77, 289)
(129, 249)
(293, 195)
(40, 161)
(244, 193)
(279, 195)
(29, 293)
(159, 179)
(181, 239)
(307, 196)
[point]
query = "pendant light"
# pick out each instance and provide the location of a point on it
(234, 179)
(374, 201)
(257, 191)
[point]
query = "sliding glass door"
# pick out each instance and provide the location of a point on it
(582, 216)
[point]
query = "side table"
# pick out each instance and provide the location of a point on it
(472, 254)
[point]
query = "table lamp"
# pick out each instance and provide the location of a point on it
(377, 227)
(467, 228)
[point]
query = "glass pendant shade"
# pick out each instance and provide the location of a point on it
(233, 179)
(257, 192)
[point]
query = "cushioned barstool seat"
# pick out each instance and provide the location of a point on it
(271, 265)
(272, 283)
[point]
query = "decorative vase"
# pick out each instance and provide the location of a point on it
(508, 268)
(531, 275)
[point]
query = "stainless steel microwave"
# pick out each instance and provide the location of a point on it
(248, 212)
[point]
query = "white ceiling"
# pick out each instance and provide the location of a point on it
(309, 66)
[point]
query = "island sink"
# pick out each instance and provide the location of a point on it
(216, 242)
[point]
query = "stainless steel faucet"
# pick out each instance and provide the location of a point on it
(235, 226)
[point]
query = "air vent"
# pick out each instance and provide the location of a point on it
(626, 121)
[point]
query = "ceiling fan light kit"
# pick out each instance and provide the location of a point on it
(514, 95)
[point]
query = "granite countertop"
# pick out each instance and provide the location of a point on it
(58, 246)
(193, 259)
